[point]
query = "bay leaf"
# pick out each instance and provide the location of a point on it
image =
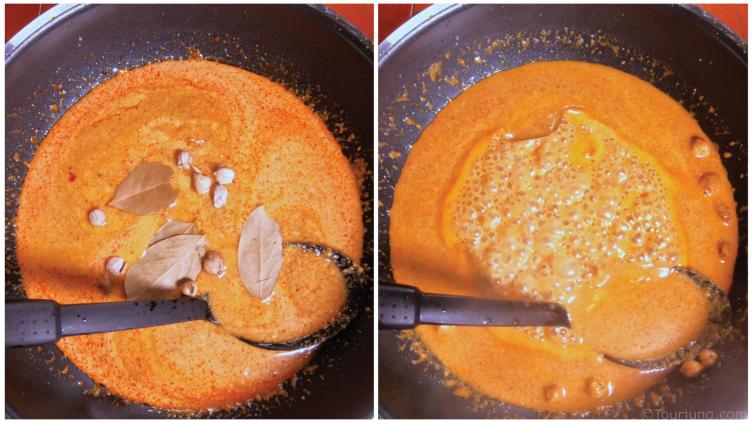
(260, 254)
(164, 264)
(172, 228)
(147, 189)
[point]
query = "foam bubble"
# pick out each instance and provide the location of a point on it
(541, 221)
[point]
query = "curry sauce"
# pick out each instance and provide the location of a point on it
(574, 183)
(284, 158)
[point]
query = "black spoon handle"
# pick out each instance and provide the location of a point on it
(399, 306)
(404, 307)
(37, 322)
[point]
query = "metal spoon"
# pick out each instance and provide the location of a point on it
(719, 324)
(405, 307)
(36, 322)
(356, 284)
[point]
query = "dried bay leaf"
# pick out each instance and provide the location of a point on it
(147, 189)
(260, 254)
(172, 228)
(164, 264)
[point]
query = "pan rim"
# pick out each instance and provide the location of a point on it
(16, 46)
(37, 27)
(392, 43)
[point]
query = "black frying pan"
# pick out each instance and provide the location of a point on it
(697, 61)
(310, 49)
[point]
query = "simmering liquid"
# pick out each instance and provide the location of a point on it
(283, 157)
(573, 183)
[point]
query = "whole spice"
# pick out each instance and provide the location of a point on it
(700, 147)
(655, 399)
(115, 265)
(163, 265)
(710, 182)
(214, 264)
(201, 182)
(188, 288)
(172, 228)
(691, 368)
(724, 251)
(639, 400)
(147, 189)
(598, 388)
(106, 285)
(260, 254)
(174, 255)
(97, 217)
(708, 357)
(724, 213)
(219, 196)
(224, 175)
(183, 159)
(555, 392)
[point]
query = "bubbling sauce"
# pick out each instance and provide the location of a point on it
(573, 183)
(545, 214)
(284, 158)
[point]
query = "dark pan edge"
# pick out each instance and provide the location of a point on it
(412, 26)
(353, 35)
(730, 37)
(403, 33)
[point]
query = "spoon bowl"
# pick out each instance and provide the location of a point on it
(715, 331)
